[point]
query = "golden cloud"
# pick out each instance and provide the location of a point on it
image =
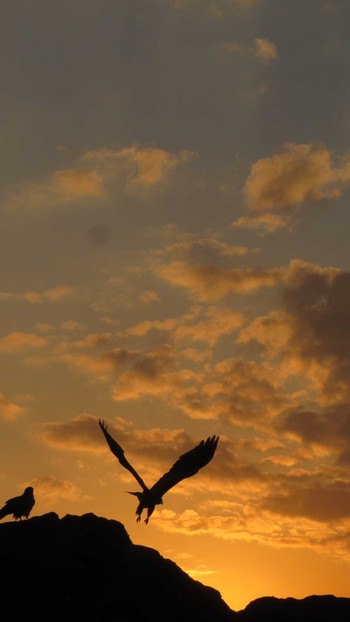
(53, 294)
(297, 174)
(210, 282)
(264, 223)
(140, 167)
(242, 522)
(9, 411)
(81, 434)
(20, 342)
(204, 249)
(51, 488)
(101, 365)
(216, 322)
(265, 49)
(94, 174)
(79, 183)
(310, 335)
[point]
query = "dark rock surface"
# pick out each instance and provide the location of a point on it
(85, 568)
(325, 608)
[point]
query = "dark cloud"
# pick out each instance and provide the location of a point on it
(321, 502)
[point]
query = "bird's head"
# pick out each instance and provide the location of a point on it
(29, 489)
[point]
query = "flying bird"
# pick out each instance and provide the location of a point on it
(187, 465)
(19, 506)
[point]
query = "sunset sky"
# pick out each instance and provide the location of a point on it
(174, 259)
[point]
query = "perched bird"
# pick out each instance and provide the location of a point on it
(187, 465)
(19, 506)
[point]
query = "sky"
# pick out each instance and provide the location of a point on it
(174, 259)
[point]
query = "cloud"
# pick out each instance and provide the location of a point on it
(204, 249)
(244, 522)
(231, 46)
(155, 374)
(264, 223)
(320, 502)
(148, 296)
(141, 167)
(93, 340)
(218, 321)
(298, 174)
(81, 434)
(326, 427)
(9, 411)
(246, 392)
(311, 332)
(215, 322)
(100, 366)
(21, 342)
(54, 294)
(66, 186)
(95, 174)
(306, 342)
(265, 50)
(210, 282)
(78, 183)
(51, 488)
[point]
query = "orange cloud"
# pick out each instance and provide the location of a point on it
(153, 374)
(216, 322)
(210, 282)
(78, 183)
(81, 434)
(53, 294)
(265, 50)
(204, 249)
(101, 365)
(51, 488)
(95, 173)
(20, 342)
(264, 223)
(140, 167)
(9, 411)
(299, 173)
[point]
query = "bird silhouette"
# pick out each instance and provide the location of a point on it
(19, 506)
(187, 465)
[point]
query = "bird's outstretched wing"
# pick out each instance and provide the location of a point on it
(187, 465)
(118, 452)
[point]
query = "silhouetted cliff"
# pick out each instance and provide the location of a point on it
(86, 569)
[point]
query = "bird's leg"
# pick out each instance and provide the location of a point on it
(150, 511)
(138, 518)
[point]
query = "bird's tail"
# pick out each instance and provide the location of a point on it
(136, 494)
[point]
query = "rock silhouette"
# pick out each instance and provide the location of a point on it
(86, 568)
(187, 465)
(19, 506)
